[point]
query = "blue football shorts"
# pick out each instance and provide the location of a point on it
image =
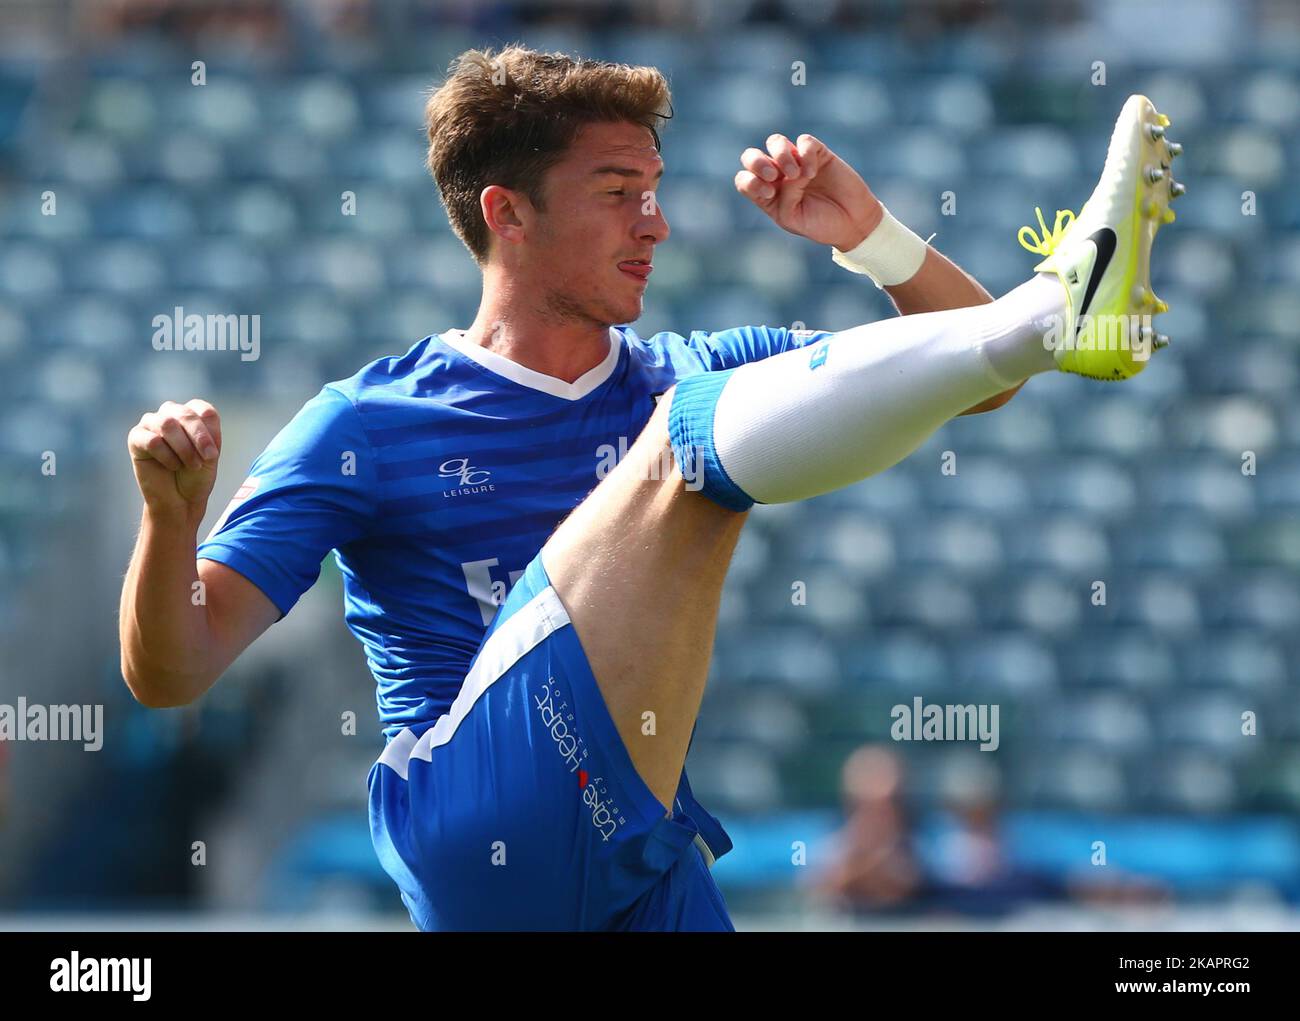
(520, 809)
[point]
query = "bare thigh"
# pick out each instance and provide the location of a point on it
(639, 566)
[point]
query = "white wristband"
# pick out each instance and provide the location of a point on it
(890, 254)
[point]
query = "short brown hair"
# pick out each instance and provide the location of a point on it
(507, 118)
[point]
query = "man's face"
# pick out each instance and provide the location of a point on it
(590, 252)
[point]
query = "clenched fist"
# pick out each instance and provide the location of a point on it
(175, 451)
(809, 191)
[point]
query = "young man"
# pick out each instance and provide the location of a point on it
(534, 772)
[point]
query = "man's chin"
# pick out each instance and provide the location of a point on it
(613, 316)
(630, 312)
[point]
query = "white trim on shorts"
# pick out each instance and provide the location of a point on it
(525, 629)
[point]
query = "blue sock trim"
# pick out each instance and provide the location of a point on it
(690, 429)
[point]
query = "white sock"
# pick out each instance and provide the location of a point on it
(1039, 303)
(792, 426)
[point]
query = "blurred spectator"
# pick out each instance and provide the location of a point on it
(966, 861)
(875, 866)
(956, 861)
(249, 21)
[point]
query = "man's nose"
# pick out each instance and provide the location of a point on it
(655, 225)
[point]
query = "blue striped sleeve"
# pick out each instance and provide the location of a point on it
(312, 490)
(727, 349)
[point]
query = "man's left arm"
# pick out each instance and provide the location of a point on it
(808, 190)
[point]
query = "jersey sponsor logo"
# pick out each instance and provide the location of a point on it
(246, 489)
(819, 354)
(472, 480)
(554, 713)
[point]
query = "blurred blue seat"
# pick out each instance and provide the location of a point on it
(926, 600)
(258, 211)
(395, 100)
(1215, 204)
(284, 154)
(223, 108)
(103, 323)
(120, 107)
(960, 103)
(312, 318)
(769, 717)
(1084, 778)
(1030, 153)
(736, 777)
(894, 493)
(1008, 662)
(1165, 602)
(986, 479)
(1207, 719)
(744, 99)
(348, 266)
(1185, 542)
(24, 213)
(1113, 721)
(151, 211)
(380, 155)
(1125, 657)
(127, 266)
(1279, 489)
(862, 545)
(960, 543)
(921, 154)
(322, 106)
(236, 265)
(83, 158)
(1195, 782)
(796, 657)
(1100, 489)
(903, 658)
(1036, 601)
(1266, 599)
(1193, 485)
(30, 270)
(846, 102)
(1068, 542)
(828, 599)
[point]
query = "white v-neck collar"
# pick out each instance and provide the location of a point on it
(531, 378)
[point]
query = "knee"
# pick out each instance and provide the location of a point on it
(687, 411)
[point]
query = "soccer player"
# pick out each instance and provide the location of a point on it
(533, 776)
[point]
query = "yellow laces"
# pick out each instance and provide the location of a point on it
(1047, 242)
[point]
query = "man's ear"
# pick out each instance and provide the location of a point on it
(507, 213)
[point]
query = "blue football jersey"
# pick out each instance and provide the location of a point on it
(435, 477)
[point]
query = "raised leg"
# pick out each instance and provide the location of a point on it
(640, 564)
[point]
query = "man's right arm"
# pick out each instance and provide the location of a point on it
(178, 636)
